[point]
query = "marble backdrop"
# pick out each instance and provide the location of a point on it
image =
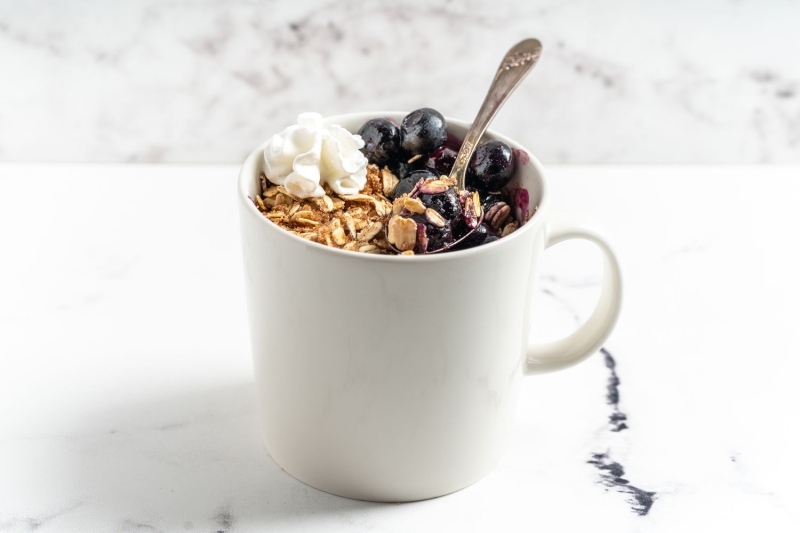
(620, 81)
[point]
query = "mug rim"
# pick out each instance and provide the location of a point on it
(534, 220)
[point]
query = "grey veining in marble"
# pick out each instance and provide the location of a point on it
(205, 81)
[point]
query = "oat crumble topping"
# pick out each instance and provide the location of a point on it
(348, 221)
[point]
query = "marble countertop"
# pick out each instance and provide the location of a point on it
(127, 401)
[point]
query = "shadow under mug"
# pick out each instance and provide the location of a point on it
(373, 381)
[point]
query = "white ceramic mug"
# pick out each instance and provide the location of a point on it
(374, 380)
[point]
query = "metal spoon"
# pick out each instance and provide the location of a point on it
(515, 66)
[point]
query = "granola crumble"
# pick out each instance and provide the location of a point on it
(350, 221)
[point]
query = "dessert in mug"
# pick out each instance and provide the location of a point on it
(386, 189)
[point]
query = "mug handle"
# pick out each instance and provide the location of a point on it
(588, 338)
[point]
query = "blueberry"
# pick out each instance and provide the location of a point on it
(490, 199)
(437, 237)
(399, 168)
(442, 160)
(404, 187)
(491, 166)
(460, 228)
(423, 131)
(476, 238)
(419, 164)
(425, 173)
(407, 184)
(381, 140)
(446, 203)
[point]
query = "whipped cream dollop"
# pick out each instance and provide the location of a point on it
(307, 155)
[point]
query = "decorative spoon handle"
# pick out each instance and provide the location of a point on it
(515, 66)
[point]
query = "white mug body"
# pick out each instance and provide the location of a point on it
(390, 378)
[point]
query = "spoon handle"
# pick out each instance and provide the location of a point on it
(515, 66)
